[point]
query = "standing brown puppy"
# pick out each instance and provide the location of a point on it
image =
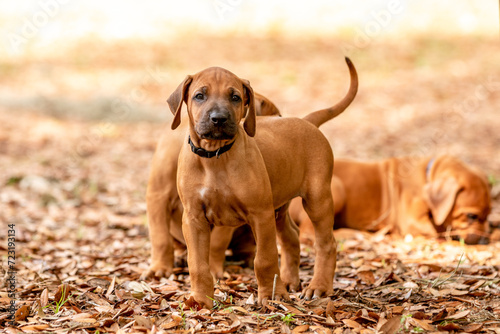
(226, 178)
(163, 203)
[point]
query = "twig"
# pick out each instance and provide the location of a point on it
(381, 287)
(274, 285)
(484, 278)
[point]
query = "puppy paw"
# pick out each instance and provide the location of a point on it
(217, 271)
(197, 302)
(157, 270)
(292, 287)
(315, 290)
(265, 295)
(291, 281)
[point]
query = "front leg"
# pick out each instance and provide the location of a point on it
(197, 235)
(415, 218)
(266, 258)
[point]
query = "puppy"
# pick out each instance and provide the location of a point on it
(232, 173)
(433, 197)
(164, 207)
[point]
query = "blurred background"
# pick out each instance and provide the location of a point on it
(83, 84)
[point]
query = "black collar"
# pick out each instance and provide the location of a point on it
(209, 154)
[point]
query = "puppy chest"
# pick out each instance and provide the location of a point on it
(221, 207)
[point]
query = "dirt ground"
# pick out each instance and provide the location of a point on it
(78, 128)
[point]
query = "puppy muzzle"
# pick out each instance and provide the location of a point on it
(217, 125)
(473, 238)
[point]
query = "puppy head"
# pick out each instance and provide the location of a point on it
(216, 101)
(459, 199)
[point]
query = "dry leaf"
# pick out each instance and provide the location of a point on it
(111, 287)
(440, 315)
(320, 329)
(135, 287)
(458, 315)
(172, 324)
(62, 293)
(30, 328)
(250, 300)
(366, 277)
(300, 329)
(98, 282)
(236, 321)
(44, 298)
(392, 325)
(143, 321)
(424, 324)
(239, 309)
(473, 328)
(450, 326)
(22, 312)
(351, 323)
(330, 307)
(397, 309)
(191, 303)
(81, 316)
(407, 295)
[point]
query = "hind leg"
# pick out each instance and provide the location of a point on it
(288, 237)
(319, 207)
(220, 237)
(243, 246)
(162, 242)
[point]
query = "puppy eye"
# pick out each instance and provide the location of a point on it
(199, 96)
(235, 98)
(472, 217)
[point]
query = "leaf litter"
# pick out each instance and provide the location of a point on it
(76, 196)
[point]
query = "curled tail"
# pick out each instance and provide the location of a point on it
(321, 116)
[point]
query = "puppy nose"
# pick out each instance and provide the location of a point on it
(474, 239)
(484, 241)
(218, 118)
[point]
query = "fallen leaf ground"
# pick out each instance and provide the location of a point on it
(73, 187)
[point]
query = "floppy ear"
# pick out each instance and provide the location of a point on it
(264, 106)
(440, 196)
(249, 124)
(175, 101)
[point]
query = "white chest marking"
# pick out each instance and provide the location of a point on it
(203, 192)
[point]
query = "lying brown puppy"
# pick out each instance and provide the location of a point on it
(233, 173)
(164, 206)
(420, 196)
